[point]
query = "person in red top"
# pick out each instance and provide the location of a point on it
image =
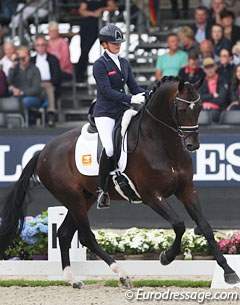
(192, 72)
(214, 90)
(59, 47)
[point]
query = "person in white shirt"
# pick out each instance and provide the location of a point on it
(50, 71)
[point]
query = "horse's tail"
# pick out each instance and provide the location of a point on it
(12, 206)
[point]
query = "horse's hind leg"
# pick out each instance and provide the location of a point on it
(65, 235)
(190, 200)
(164, 209)
(87, 238)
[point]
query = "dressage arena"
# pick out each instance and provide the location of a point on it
(93, 295)
(98, 294)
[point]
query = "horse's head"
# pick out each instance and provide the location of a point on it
(176, 105)
(186, 109)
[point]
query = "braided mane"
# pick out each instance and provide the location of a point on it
(159, 83)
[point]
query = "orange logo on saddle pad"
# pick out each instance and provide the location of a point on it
(86, 159)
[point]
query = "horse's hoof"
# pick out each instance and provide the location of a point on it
(77, 285)
(163, 259)
(125, 282)
(231, 278)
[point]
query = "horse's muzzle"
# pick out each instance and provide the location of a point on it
(191, 142)
(192, 147)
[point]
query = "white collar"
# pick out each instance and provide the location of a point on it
(44, 56)
(114, 57)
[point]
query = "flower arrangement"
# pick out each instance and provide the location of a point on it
(198, 245)
(138, 241)
(230, 245)
(17, 250)
(135, 241)
(34, 240)
(35, 234)
(108, 241)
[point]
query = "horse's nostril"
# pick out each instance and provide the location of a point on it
(192, 147)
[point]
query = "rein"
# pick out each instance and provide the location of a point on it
(180, 130)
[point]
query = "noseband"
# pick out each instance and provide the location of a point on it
(180, 129)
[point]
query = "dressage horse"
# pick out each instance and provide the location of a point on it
(159, 139)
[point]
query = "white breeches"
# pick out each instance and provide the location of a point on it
(105, 126)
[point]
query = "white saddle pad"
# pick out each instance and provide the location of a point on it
(86, 153)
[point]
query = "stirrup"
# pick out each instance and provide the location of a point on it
(103, 201)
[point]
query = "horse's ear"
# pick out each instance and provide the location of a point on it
(181, 85)
(198, 83)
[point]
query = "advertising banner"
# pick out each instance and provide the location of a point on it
(216, 163)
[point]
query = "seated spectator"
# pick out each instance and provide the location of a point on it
(192, 72)
(236, 53)
(201, 27)
(29, 11)
(59, 47)
(50, 71)
(219, 42)
(235, 90)
(230, 30)
(171, 62)
(186, 37)
(226, 68)
(7, 61)
(206, 50)
(3, 84)
(214, 90)
(25, 80)
(217, 7)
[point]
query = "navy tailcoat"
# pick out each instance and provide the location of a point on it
(112, 100)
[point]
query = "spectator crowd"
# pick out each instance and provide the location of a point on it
(36, 80)
(209, 48)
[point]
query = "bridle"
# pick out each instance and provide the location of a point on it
(180, 129)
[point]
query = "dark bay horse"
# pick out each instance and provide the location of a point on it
(159, 165)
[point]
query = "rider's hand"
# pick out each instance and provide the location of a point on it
(138, 98)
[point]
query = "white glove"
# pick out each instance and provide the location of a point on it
(138, 98)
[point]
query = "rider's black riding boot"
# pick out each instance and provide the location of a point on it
(105, 165)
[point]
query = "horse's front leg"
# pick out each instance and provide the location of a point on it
(189, 198)
(163, 208)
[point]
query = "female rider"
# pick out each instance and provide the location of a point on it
(111, 73)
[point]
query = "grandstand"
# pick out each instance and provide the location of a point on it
(146, 42)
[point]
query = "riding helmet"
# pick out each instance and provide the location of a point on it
(111, 33)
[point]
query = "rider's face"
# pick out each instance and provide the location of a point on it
(112, 47)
